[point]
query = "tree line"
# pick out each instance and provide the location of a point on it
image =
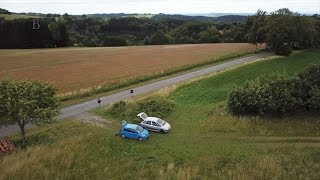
(282, 31)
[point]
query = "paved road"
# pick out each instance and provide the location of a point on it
(72, 110)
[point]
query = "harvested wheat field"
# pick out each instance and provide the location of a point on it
(73, 69)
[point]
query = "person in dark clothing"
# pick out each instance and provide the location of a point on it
(99, 102)
(131, 92)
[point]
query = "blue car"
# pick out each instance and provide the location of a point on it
(134, 131)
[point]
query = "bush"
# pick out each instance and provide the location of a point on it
(158, 107)
(283, 49)
(279, 95)
(251, 99)
(307, 87)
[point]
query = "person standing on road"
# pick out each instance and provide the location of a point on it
(99, 102)
(131, 92)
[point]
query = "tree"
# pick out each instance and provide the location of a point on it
(59, 33)
(256, 23)
(287, 30)
(158, 38)
(19, 33)
(114, 41)
(211, 35)
(23, 102)
(4, 11)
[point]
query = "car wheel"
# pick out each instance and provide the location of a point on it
(162, 131)
(140, 138)
(123, 136)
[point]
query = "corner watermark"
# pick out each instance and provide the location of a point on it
(35, 24)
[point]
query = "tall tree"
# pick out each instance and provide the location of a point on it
(59, 33)
(23, 102)
(256, 25)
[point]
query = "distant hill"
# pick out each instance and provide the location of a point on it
(220, 14)
(212, 18)
(17, 16)
(220, 19)
(120, 15)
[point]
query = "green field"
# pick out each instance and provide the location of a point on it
(17, 16)
(205, 142)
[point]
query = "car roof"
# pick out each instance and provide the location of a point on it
(131, 126)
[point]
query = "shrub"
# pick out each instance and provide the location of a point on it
(119, 109)
(159, 107)
(281, 96)
(251, 99)
(307, 87)
(278, 95)
(283, 49)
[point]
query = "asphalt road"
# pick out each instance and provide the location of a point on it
(73, 110)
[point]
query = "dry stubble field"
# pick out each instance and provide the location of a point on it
(73, 69)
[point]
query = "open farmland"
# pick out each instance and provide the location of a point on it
(73, 69)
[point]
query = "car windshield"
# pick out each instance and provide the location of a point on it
(161, 122)
(139, 129)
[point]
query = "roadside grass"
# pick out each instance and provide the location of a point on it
(205, 143)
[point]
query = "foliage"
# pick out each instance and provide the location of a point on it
(307, 88)
(252, 99)
(283, 31)
(59, 33)
(159, 38)
(256, 33)
(212, 35)
(278, 95)
(18, 33)
(114, 41)
(4, 11)
(158, 107)
(23, 102)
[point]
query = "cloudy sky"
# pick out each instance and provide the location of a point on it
(158, 6)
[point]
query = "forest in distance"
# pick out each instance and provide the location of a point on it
(282, 29)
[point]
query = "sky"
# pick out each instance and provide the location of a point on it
(159, 6)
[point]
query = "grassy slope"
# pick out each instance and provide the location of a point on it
(205, 140)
